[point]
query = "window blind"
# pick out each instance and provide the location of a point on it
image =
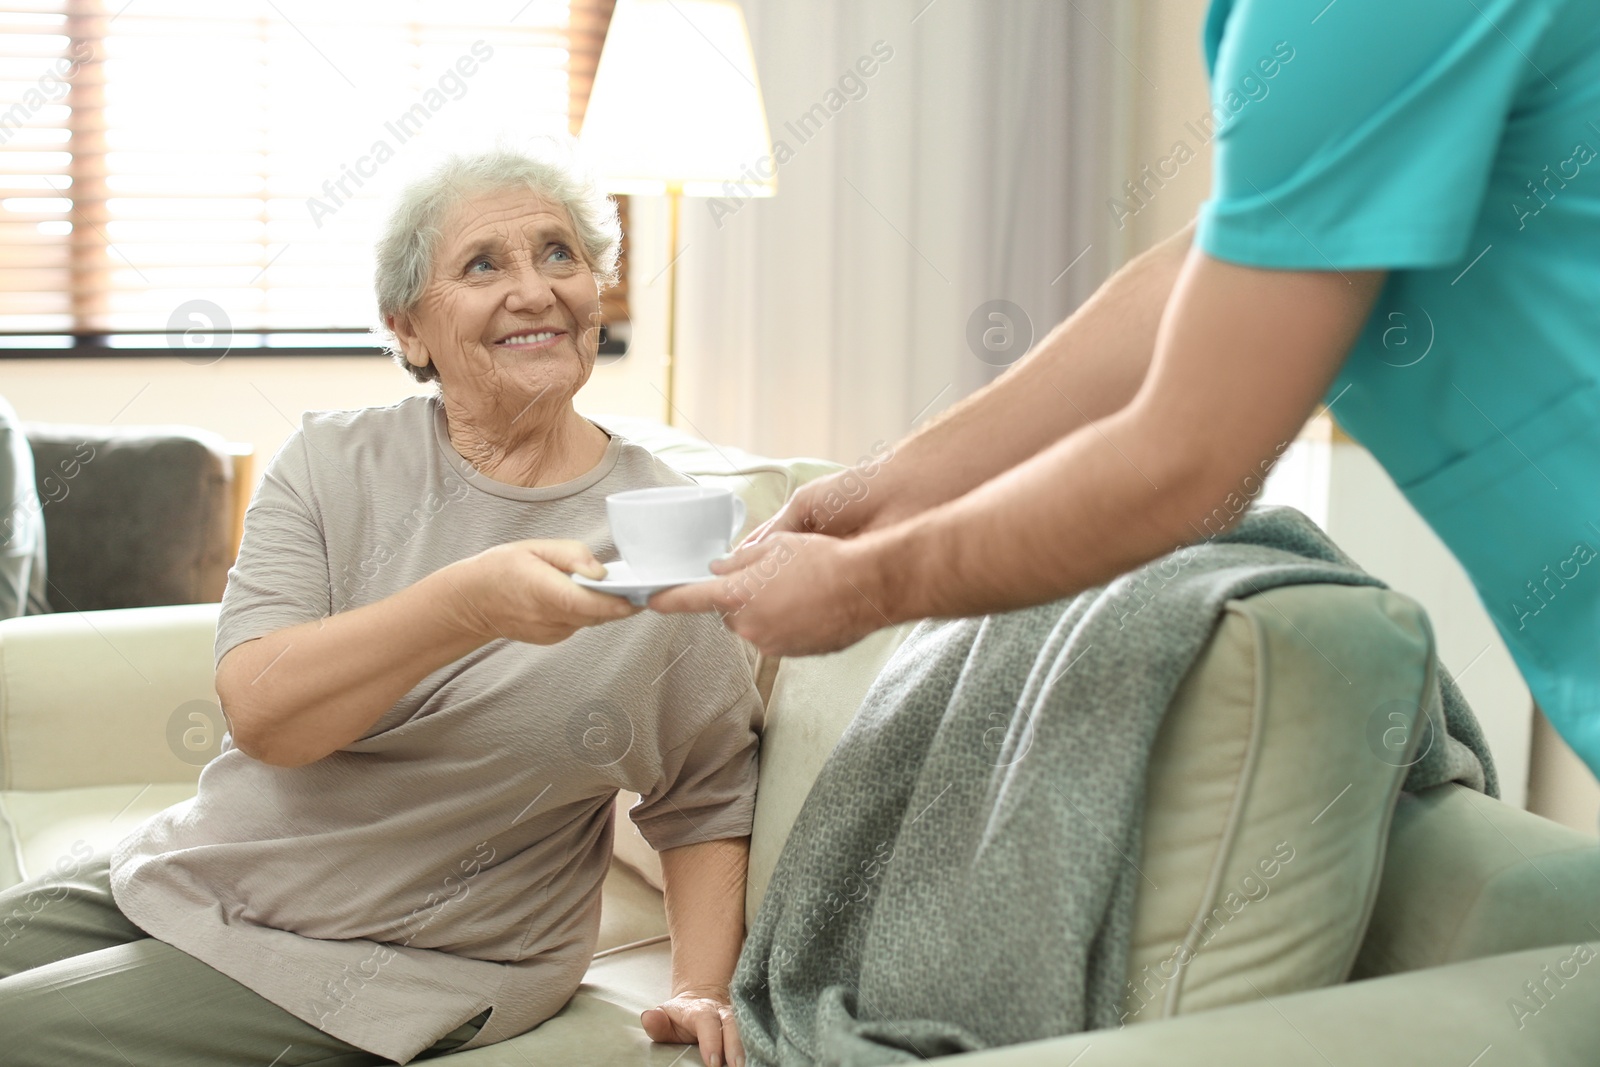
(169, 166)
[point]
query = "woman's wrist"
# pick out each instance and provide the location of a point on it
(461, 595)
(710, 990)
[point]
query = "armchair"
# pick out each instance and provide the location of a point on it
(138, 516)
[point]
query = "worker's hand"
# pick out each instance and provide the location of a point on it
(807, 511)
(846, 503)
(791, 594)
(703, 1017)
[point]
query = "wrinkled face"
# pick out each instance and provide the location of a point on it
(512, 310)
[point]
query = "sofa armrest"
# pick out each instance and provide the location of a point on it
(1467, 876)
(107, 697)
(1444, 1015)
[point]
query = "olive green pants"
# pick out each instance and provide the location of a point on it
(81, 986)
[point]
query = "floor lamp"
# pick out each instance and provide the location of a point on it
(676, 111)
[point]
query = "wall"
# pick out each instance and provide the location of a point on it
(1169, 96)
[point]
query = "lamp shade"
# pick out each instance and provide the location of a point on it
(676, 105)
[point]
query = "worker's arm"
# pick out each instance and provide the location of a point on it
(1241, 358)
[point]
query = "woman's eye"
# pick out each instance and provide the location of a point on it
(560, 250)
(481, 261)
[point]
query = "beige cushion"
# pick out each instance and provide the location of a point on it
(1455, 1016)
(813, 699)
(52, 828)
(55, 672)
(1262, 784)
(1267, 805)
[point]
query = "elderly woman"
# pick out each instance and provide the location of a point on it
(401, 851)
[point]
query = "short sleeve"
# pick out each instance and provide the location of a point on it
(1364, 138)
(707, 789)
(281, 576)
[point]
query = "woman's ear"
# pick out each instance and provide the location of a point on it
(405, 331)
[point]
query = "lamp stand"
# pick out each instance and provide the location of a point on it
(670, 364)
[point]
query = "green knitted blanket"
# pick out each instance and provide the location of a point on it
(957, 877)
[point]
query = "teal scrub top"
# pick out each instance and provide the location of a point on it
(1457, 145)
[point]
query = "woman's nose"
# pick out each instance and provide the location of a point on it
(530, 291)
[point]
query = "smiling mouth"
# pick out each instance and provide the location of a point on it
(535, 337)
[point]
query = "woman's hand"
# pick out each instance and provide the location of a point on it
(523, 591)
(703, 1017)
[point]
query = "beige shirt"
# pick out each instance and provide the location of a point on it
(451, 859)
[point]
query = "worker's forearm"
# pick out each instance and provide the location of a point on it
(1023, 539)
(705, 912)
(305, 691)
(1241, 360)
(1089, 366)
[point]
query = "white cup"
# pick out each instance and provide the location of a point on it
(674, 531)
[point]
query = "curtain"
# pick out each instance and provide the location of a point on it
(932, 158)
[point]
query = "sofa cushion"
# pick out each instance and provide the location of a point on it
(56, 672)
(1271, 787)
(1265, 797)
(628, 846)
(1473, 1014)
(53, 828)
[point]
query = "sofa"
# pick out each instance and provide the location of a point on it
(1440, 927)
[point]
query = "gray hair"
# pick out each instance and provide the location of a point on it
(410, 238)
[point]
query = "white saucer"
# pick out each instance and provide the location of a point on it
(620, 581)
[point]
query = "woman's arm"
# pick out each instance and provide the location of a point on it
(300, 693)
(705, 914)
